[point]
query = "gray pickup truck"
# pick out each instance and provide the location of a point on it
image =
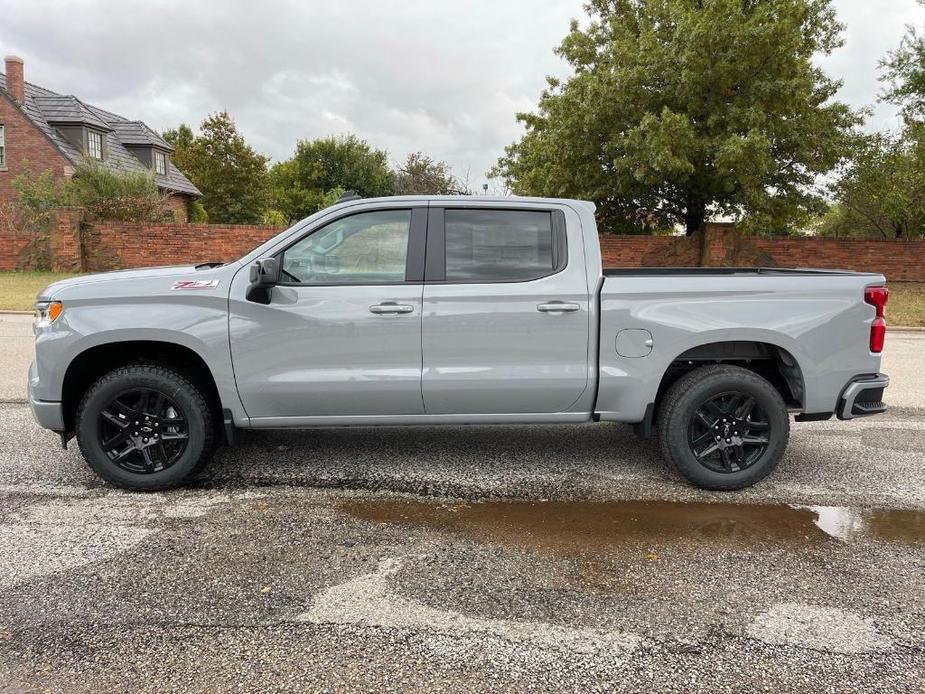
(451, 310)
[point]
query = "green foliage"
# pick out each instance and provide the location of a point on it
(905, 75)
(680, 109)
(274, 218)
(37, 199)
(881, 192)
(421, 175)
(107, 194)
(181, 139)
(231, 175)
(307, 182)
(197, 212)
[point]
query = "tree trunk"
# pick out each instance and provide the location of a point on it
(694, 216)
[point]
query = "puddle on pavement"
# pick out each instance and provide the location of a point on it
(582, 527)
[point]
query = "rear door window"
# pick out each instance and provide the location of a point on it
(500, 245)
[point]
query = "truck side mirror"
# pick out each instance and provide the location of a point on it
(264, 275)
(265, 272)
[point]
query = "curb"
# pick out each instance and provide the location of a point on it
(16, 313)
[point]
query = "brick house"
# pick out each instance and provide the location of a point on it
(41, 130)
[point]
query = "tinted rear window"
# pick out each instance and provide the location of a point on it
(498, 245)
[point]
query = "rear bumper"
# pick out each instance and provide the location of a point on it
(863, 396)
(49, 415)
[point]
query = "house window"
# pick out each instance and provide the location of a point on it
(95, 145)
(160, 163)
(2, 148)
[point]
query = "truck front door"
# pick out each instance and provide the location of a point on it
(506, 312)
(341, 335)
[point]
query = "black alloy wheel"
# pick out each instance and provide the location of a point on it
(143, 431)
(723, 426)
(145, 427)
(729, 432)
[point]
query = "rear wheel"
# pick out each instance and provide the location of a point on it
(144, 427)
(723, 427)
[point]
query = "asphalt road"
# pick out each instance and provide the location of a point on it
(489, 558)
(468, 558)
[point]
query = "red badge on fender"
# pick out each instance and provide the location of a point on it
(195, 284)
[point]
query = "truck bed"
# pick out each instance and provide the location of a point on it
(651, 317)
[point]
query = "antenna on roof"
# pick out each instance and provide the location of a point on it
(347, 196)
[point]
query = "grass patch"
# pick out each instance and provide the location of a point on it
(906, 306)
(18, 289)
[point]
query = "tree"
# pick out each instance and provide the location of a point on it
(905, 75)
(181, 139)
(232, 176)
(307, 182)
(421, 175)
(882, 189)
(681, 109)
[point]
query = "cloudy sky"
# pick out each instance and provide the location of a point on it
(406, 75)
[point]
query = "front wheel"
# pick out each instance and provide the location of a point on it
(144, 427)
(723, 427)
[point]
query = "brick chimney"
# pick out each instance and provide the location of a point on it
(15, 84)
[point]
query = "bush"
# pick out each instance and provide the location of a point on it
(274, 218)
(37, 199)
(197, 213)
(107, 194)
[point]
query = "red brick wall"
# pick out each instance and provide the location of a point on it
(12, 245)
(27, 149)
(628, 251)
(898, 260)
(117, 244)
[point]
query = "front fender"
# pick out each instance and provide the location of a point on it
(201, 327)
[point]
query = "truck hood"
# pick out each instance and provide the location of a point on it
(169, 274)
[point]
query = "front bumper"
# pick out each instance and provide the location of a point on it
(863, 396)
(49, 415)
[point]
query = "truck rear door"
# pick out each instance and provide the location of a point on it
(506, 312)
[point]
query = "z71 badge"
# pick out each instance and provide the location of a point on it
(195, 284)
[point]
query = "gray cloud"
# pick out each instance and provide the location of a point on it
(430, 75)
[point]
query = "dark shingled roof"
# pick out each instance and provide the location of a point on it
(134, 133)
(46, 109)
(68, 110)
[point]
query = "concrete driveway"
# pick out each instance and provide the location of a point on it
(469, 558)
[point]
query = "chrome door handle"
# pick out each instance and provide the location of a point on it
(557, 306)
(391, 307)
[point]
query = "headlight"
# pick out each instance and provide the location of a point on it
(46, 312)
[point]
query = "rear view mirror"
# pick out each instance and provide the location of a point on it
(264, 275)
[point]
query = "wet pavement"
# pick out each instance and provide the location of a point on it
(467, 558)
(568, 528)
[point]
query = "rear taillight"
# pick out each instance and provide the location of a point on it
(877, 297)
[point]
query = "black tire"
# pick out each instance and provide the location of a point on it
(740, 459)
(186, 426)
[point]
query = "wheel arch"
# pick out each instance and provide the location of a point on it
(772, 361)
(93, 362)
